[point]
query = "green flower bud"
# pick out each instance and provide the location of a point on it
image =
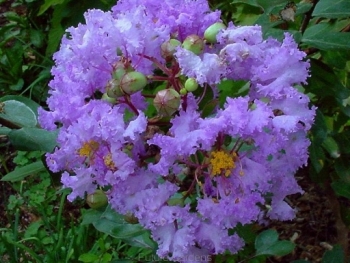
(183, 91)
(119, 73)
(168, 48)
(113, 89)
(212, 31)
(191, 84)
(97, 199)
(132, 82)
(193, 43)
(167, 101)
(105, 97)
(121, 69)
(131, 218)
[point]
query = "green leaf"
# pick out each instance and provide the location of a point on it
(230, 88)
(33, 139)
(126, 230)
(343, 140)
(18, 85)
(246, 232)
(320, 36)
(4, 131)
(341, 188)
(271, 4)
(142, 241)
(326, 85)
(267, 243)
(18, 113)
(88, 257)
(114, 225)
(332, 9)
(90, 216)
(342, 168)
(48, 4)
(36, 37)
(20, 173)
(28, 102)
(331, 147)
(14, 59)
(336, 255)
(317, 156)
(279, 34)
(266, 238)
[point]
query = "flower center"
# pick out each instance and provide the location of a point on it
(222, 162)
(109, 162)
(88, 148)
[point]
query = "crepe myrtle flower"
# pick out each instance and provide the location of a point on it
(127, 97)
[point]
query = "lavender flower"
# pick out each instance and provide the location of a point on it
(188, 176)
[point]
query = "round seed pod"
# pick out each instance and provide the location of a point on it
(97, 200)
(167, 101)
(113, 89)
(193, 43)
(183, 91)
(121, 69)
(191, 84)
(211, 32)
(105, 97)
(168, 48)
(132, 82)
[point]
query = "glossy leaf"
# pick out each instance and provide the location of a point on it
(48, 4)
(28, 102)
(341, 188)
(18, 113)
(269, 5)
(320, 36)
(113, 224)
(267, 243)
(331, 147)
(332, 9)
(20, 173)
(327, 87)
(344, 141)
(4, 131)
(342, 168)
(88, 257)
(336, 255)
(33, 139)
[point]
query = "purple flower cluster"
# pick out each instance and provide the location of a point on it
(187, 176)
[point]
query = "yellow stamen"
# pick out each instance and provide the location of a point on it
(109, 162)
(222, 162)
(88, 148)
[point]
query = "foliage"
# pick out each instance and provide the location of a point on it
(27, 42)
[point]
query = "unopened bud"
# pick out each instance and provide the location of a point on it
(167, 101)
(113, 89)
(183, 91)
(105, 97)
(193, 43)
(97, 199)
(191, 84)
(132, 82)
(168, 48)
(121, 69)
(212, 31)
